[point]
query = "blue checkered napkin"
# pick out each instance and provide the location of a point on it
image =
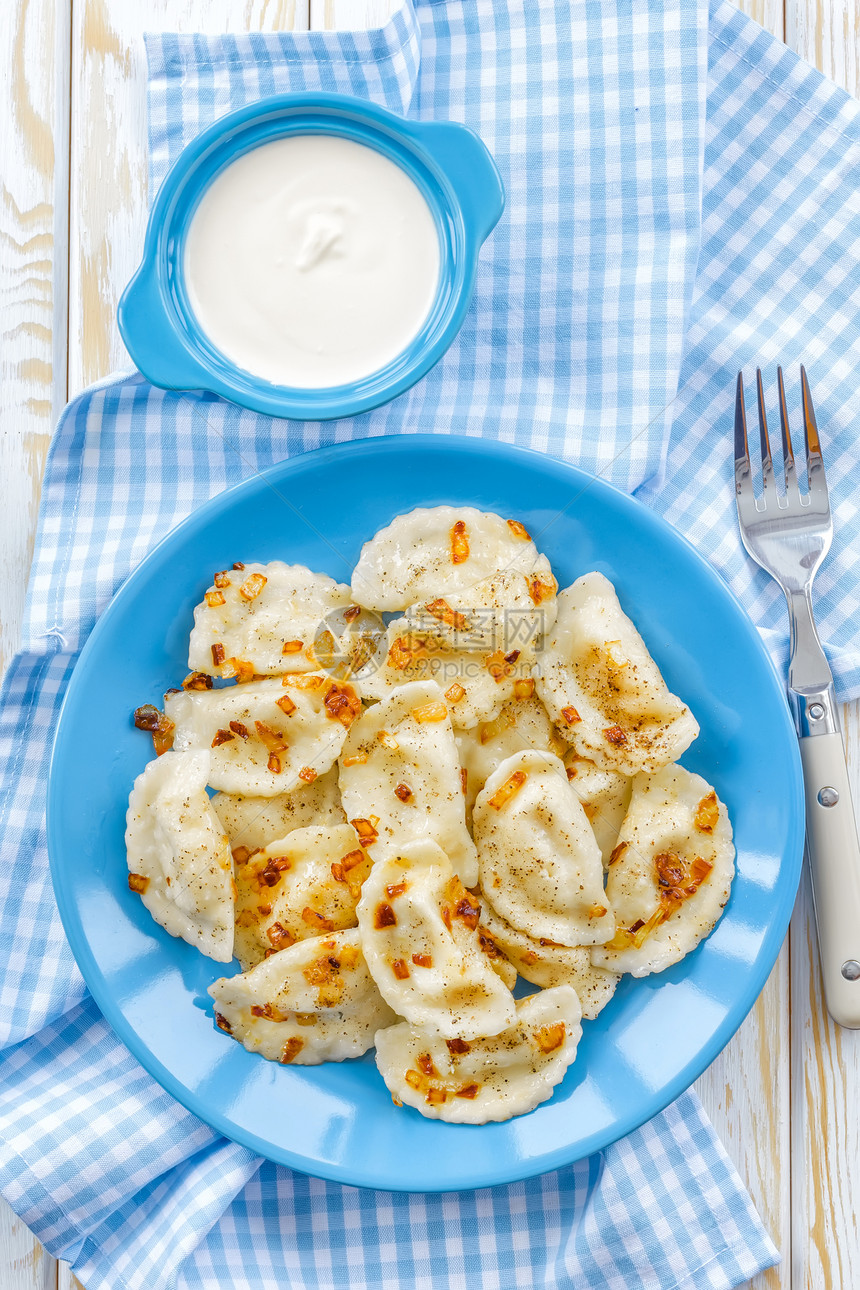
(679, 201)
(777, 282)
(574, 341)
(116, 1177)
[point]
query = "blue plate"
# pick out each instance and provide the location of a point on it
(448, 162)
(337, 1121)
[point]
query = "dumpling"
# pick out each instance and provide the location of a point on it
(178, 855)
(419, 932)
(273, 618)
(426, 554)
(522, 723)
(475, 1081)
(604, 690)
(670, 874)
(306, 884)
(251, 822)
(605, 796)
(476, 685)
(400, 777)
(505, 611)
(314, 1002)
(267, 737)
(538, 861)
(492, 950)
(547, 964)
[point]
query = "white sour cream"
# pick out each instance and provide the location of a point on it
(312, 261)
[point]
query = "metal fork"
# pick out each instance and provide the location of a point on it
(789, 536)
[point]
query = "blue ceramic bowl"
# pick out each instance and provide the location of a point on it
(451, 167)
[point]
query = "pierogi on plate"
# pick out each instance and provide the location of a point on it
(605, 797)
(604, 690)
(178, 856)
(475, 1081)
(670, 873)
(539, 863)
(419, 929)
(522, 723)
(266, 737)
(255, 821)
(478, 598)
(400, 777)
(274, 618)
(440, 552)
(548, 963)
(409, 815)
(311, 1002)
(476, 683)
(305, 884)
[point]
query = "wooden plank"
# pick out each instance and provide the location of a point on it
(825, 1104)
(734, 1091)
(769, 13)
(827, 34)
(34, 157)
(66, 1279)
(346, 15)
(746, 1092)
(24, 1265)
(109, 154)
(34, 152)
(825, 1058)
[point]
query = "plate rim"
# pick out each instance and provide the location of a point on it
(350, 1175)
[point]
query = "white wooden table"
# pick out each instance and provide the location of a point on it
(785, 1094)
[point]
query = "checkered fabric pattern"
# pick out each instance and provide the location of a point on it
(682, 201)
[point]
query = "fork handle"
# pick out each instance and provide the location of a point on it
(834, 861)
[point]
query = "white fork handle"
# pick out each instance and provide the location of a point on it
(834, 861)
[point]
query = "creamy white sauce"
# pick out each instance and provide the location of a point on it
(312, 261)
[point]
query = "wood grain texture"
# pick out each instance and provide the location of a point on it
(34, 148)
(34, 154)
(66, 1279)
(825, 1059)
(332, 15)
(774, 1096)
(109, 156)
(825, 1123)
(827, 34)
(746, 1093)
(769, 13)
(24, 1265)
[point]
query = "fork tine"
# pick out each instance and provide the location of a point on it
(766, 458)
(742, 452)
(814, 460)
(744, 493)
(789, 467)
(743, 479)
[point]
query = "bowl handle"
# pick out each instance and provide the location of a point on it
(467, 162)
(158, 350)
